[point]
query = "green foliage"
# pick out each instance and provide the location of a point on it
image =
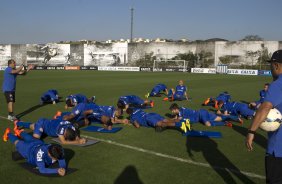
(252, 38)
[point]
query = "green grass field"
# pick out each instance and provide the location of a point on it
(141, 155)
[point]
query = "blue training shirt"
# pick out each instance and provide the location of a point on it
(273, 95)
(38, 156)
(180, 90)
(78, 98)
(9, 82)
(138, 115)
(159, 88)
(192, 115)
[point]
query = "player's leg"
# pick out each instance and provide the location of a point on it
(10, 99)
(38, 128)
(208, 119)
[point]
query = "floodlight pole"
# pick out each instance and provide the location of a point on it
(131, 27)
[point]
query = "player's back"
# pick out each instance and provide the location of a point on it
(139, 116)
(193, 115)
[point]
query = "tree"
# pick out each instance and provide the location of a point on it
(252, 38)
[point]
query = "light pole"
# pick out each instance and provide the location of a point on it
(131, 27)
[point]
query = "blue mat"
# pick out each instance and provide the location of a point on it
(194, 133)
(101, 129)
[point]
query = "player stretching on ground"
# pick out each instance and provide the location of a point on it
(66, 132)
(157, 91)
(50, 96)
(73, 100)
(37, 153)
(179, 93)
(140, 118)
(262, 93)
(235, 109)
(133, 101)
(202, 116)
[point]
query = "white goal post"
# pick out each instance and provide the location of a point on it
(180, 65)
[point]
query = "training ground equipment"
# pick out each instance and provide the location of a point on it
(101, 129)
(35, 171)
(272, 121)
(89, 142)
(194, 133)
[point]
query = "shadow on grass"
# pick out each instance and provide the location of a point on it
(33, 108)
(128, 176)
(259, 139)
(29, 110)
(216, 159)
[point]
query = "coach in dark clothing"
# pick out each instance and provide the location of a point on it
(273, 99)
(9, 84)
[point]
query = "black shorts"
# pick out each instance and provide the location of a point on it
(273, 169)
(10, 96)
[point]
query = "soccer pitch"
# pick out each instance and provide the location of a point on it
(141, 155)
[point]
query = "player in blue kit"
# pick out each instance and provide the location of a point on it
(76, 115)
(157, 91)
(179, 93)
(133, 101)
(140, 118)
(107, 115)
(225, 97)
(37, 153)
(64, 130)
(50, 96)
(236, 109)
(262, 94)
(73, 100)
(202, 116)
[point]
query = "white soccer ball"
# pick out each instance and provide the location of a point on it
(272, 121)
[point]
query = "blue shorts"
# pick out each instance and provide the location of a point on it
(153, 118)
(206, 116)
(39, 126)
(178, 97)
(136, 100)
(245, 111)
(24, 147)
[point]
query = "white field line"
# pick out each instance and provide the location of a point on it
(249, 174)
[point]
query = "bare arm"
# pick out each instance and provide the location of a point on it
(136, 125)
(68, 117)
(78, 140)
(260, 116)
(18, 70)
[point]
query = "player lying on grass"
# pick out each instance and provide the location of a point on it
(202, 116)
(133, 101)
(107, 115)
(262, 94)
(235, 109)
(157, 91)
(178, 94)
(37, 153)
(64, 130)
(76, 115)
(140, 118)
(50, 96)
(73, 100)
(225, 97)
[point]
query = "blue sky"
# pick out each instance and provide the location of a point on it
(42, 21)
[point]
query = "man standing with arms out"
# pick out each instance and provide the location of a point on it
(273, 99)
(9, 84)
